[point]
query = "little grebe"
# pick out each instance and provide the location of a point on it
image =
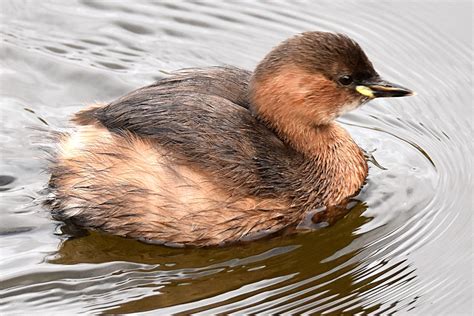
(218, 155)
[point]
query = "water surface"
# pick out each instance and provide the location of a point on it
(405, 246)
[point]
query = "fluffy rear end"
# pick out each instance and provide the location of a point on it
(129, 186)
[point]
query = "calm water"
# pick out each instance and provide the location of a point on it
(407, 246)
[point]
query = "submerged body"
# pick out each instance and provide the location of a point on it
(213, 156)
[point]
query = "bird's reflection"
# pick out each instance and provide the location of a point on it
(200, 273)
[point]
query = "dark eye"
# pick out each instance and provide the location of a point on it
(345, 80)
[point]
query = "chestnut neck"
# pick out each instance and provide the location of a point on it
(300, 108)
(335, 167)
(314, 141)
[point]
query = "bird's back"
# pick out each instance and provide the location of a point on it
(202, 116)
(190, 154)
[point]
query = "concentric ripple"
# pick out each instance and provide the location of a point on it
(405, 246)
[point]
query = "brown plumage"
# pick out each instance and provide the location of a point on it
(220, 155)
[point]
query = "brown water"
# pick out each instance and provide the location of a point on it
(406, 246)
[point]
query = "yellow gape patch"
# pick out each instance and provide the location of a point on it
(365, 91)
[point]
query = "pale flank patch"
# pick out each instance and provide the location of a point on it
(72, 144)
(167, 195)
